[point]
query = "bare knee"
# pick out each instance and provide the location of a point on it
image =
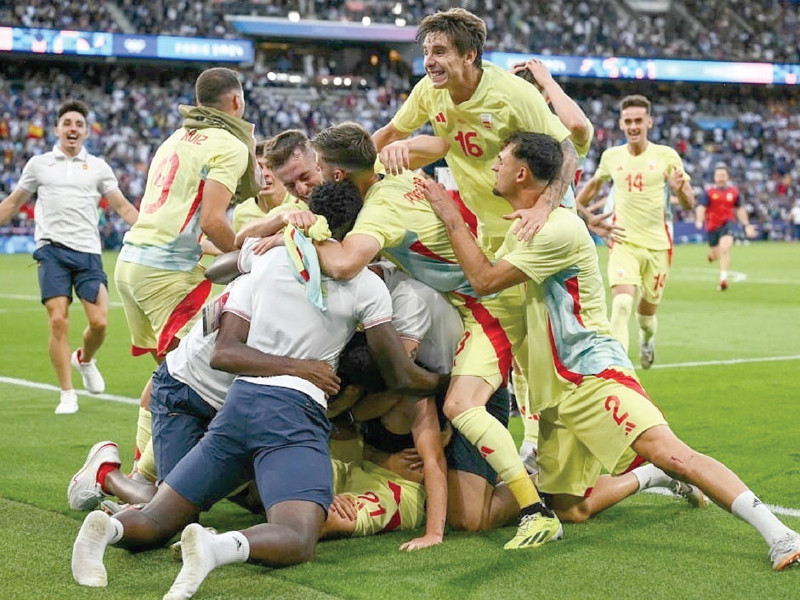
(574, 513)
(59, 324)
(463, 522)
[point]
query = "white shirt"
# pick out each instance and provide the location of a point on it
(284, 323)
(68, 192)
(190, 362)
(425, 316)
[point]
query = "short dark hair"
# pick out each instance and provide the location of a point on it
(348, 146)
(213, 84)
(358, 367)
(541, 152)
(261, 148)
(722, 165)
(339, 202)
(467, 31)
(279, 148)
(73, 106)
(634, 100)
(528, 76)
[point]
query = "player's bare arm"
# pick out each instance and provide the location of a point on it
(122, 207)
(267, 226)
(397, 369)
(699, 216)
(233, 355)
(484, 276)
(741, 214)
(213, 215)
(681, 187)
(386, 135)
(413, 153)
(428, 442)
(588, 192)
(346, 259)
(10, 206)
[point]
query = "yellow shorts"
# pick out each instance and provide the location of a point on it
(593, 428)
(522, 394)
(386, 501)
(633, 265)
(160, 305)
(494, 328)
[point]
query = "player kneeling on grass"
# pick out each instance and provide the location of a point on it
(592, 408)
(285, 442)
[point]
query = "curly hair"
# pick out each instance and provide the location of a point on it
(358, 367)
(541, 152)
(339, 202)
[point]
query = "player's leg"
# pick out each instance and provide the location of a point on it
(725, 244)
(662, 447)
(648, 326)
(654, 268)
(623, 277)
(91, 287)
(58, 342)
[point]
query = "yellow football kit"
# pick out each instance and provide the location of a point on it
(249, 210)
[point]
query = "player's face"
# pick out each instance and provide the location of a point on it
(443, 64)
(506, 168)
(635, 123)
(272, 185)
(721, 177)
(300, 174)
(71, 131)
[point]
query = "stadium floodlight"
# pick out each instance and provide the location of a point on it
(366, 21)
(400, 22)
(337, 81)
(271, 76)
(294, 16)
(325, 81)
(397, 9)
(347, 81)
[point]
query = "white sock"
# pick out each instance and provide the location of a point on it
(202, 552)
(648, 325)
(650, 476)
(723, 275)
(750, 509)
(97, 531)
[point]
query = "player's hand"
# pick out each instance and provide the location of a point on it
(395, 157)
(425, 541)
(604, 227)
(265, 244)
(675, 180)
(345, 506)
(750, 231)
(406, 463)
(531, 220)
(699, 225)
(536, 68)
(302, 219)
(441, 201)
(321, 374)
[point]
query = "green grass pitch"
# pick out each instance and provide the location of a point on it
(746, 414)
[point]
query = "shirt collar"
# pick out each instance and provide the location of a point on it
(58, 153)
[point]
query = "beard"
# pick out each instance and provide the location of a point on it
(496, 192)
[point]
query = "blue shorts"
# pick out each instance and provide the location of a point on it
(275, 435)
(462, 455)
(180, 419)
(61, 268)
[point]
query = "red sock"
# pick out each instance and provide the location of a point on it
(104, 470)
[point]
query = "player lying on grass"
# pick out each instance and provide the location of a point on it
(593, 410)
(285, 442)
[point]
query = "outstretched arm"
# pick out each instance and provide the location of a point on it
(413, 153)
(346, 259)
(122, 207)
(484, 277)
(386, 135)
(589, 192)
(213, 215)
(10, 206)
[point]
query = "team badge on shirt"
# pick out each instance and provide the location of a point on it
(486, 119)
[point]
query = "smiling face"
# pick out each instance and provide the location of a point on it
(635, 123)
(300, 174)
(443, 64)
(71, 131)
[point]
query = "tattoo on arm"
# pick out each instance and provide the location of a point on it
(564, 178)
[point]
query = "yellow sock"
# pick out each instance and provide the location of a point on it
(621, 307)
(497, 446)
(144, 429)
(648, 324)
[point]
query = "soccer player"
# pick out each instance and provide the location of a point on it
(271, 196)
(716, 209)
(285, 440)
(190, 184)
(593, 410)
(643, 174)
(397, 222)
(474, 105)
(69, 183)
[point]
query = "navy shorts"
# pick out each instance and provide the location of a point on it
(61, 268)
(275, 435)
(462, 455)
(715, 234)
(180, 419)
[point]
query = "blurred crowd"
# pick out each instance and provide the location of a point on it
(756, 131)
(758, 30)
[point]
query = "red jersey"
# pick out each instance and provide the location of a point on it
(720, 204)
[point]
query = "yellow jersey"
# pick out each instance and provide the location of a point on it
(249, 210)
(476, 129)
(641, 192)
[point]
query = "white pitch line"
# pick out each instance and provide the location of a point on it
(111, 303)
(780, 510)
(732, 361)
(53, 388)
